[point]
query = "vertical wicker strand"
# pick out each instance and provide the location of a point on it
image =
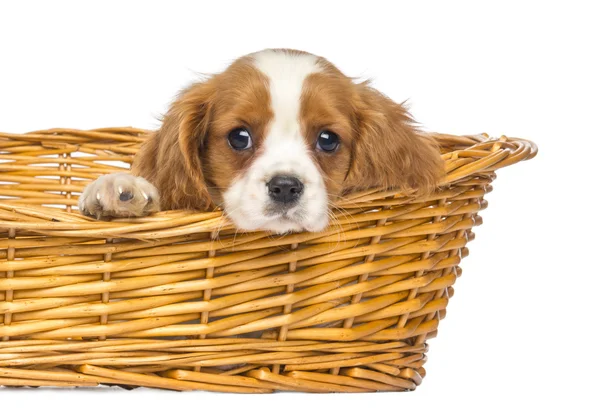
(441, 293)
(61, 169)
(438, 294)
(364, 277)
(105, 295)
(287, 309)
(68, 178)
(210, 271)
(9, 274)
(413, 293)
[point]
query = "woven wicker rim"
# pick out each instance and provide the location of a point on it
(476, 154)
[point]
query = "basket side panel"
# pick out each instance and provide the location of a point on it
(182, 301)
(346, 310)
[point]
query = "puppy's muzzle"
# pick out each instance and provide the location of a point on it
(285, 190)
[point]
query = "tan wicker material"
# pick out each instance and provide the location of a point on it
(179, 300)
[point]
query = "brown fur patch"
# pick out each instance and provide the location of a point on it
(327, 105)
(389, 151)
(380, 146)
(189, 159)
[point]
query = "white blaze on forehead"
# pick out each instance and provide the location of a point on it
(286, 72)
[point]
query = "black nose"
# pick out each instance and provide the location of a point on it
(285, 189)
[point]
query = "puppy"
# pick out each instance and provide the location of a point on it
(274, 140)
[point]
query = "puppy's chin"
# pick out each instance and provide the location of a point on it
(279, 224)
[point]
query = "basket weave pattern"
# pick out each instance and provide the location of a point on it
(180, 300)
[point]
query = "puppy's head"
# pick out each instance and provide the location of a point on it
(280, 134)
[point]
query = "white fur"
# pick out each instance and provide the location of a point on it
(284, 152)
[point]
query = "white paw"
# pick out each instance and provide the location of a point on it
(119, 195)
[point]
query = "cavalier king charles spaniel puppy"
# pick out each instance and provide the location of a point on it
(273, 140)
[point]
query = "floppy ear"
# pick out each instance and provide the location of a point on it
(389, 151)
(171, 158)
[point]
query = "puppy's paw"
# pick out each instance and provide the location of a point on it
(119, 195)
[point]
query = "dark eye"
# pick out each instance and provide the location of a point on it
(328, 141)
(240, 139)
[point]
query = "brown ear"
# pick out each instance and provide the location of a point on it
(389, 151)
(171, 158)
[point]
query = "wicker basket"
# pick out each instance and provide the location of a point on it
(179, 300)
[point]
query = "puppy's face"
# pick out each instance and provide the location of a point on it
(281, 134)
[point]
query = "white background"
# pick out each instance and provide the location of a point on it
(520, 331)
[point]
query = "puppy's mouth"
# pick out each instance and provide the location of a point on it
(286, 217)
(285, 213)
